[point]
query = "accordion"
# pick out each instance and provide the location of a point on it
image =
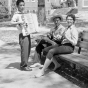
(28, 25)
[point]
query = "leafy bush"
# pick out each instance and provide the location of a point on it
(3, 10)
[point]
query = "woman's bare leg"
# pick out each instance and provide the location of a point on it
(42, 71)
(55, 63)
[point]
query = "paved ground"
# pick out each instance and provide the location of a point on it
(1, 43)
(12, 77)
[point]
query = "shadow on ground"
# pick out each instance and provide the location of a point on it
(13, 65)
(16, 65)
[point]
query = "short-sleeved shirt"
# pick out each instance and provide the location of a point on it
(18, 17)
(58, 32)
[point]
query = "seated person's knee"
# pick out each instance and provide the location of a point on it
(45, 51)
(50, 53)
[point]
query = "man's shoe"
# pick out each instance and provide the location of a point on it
(26, 68)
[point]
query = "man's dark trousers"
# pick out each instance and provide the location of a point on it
(25, 44)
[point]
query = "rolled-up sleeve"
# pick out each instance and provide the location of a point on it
(14, 18)
(72, 36)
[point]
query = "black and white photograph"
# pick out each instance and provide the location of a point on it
(43, 43)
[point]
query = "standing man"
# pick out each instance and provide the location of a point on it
(24, 34)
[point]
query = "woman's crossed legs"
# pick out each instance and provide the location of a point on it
(63, 49)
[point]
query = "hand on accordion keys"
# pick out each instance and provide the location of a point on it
(25, 25)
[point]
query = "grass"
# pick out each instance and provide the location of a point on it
(12, 36)
(9, 36)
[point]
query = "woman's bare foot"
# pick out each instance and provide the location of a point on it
(39, 74)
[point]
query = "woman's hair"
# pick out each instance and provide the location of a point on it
(18, 2)
(72, 16)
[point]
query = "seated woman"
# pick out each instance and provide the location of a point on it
(52, 39)
(69, 40)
